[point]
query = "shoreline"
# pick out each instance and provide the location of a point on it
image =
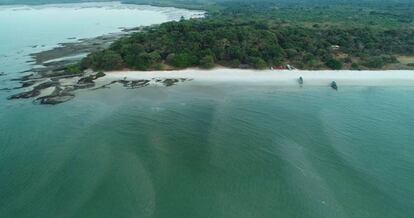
(47, 79)
(60, 90)
(272, 77)
(50, 83)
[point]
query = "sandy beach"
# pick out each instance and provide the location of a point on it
(283, 77)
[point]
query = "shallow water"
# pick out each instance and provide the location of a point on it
(199, 150)
(195, 151)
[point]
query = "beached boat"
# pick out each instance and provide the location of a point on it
(300, 81)
(334, 85)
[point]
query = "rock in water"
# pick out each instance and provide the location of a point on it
(29, 94)
(170, 82)
(57, 99)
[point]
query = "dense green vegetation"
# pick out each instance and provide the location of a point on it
(73, 69)
(254, 44)
(308, 34)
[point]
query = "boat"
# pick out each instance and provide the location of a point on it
(290, 67)
(300, 81)
(334, 85)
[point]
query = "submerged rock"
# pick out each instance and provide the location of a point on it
(170, 82)
(35, 91)
(46, 85)
(28, 94)
(54, 100)
(133, 84)
(137, 84)
(84, 86)
(58, 96)
(85, 80)
(106, 86)
(27, 83)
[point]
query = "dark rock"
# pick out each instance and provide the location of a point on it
(46, 85)
(106, 86)
(56, 99)
(88, 79)
(135, 84)
(26, 71)
(35, 92)
(170, 82)
(28, 83)
(85, 82)
(139, 84)
(84, 85)
(29, 94)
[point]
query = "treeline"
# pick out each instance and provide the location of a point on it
(279, 3)
(234, 43)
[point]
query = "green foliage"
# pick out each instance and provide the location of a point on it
(355, 66)
(100, 74)
(334, 64)
(258, 63)
(207, 62)
(184, 60)
(259, 34)
(103, 60)
(348, 60)
(234, 63)
(379, 61)
(73, 69)
(158, 66)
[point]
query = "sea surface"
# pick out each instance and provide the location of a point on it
(195, 150)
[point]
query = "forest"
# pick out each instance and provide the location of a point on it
(257, 35)
(307, 34)
(211, 42)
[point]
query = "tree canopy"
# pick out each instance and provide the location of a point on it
(232, 42)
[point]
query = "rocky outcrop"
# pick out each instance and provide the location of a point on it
(58, 96)
(135, 84)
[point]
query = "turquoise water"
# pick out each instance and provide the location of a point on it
(194, 151)
(224, 150)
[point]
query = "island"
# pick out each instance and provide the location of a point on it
(260, 35)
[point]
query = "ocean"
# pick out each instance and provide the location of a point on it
(195, 150)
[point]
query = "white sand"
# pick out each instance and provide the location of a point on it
(284, 77)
